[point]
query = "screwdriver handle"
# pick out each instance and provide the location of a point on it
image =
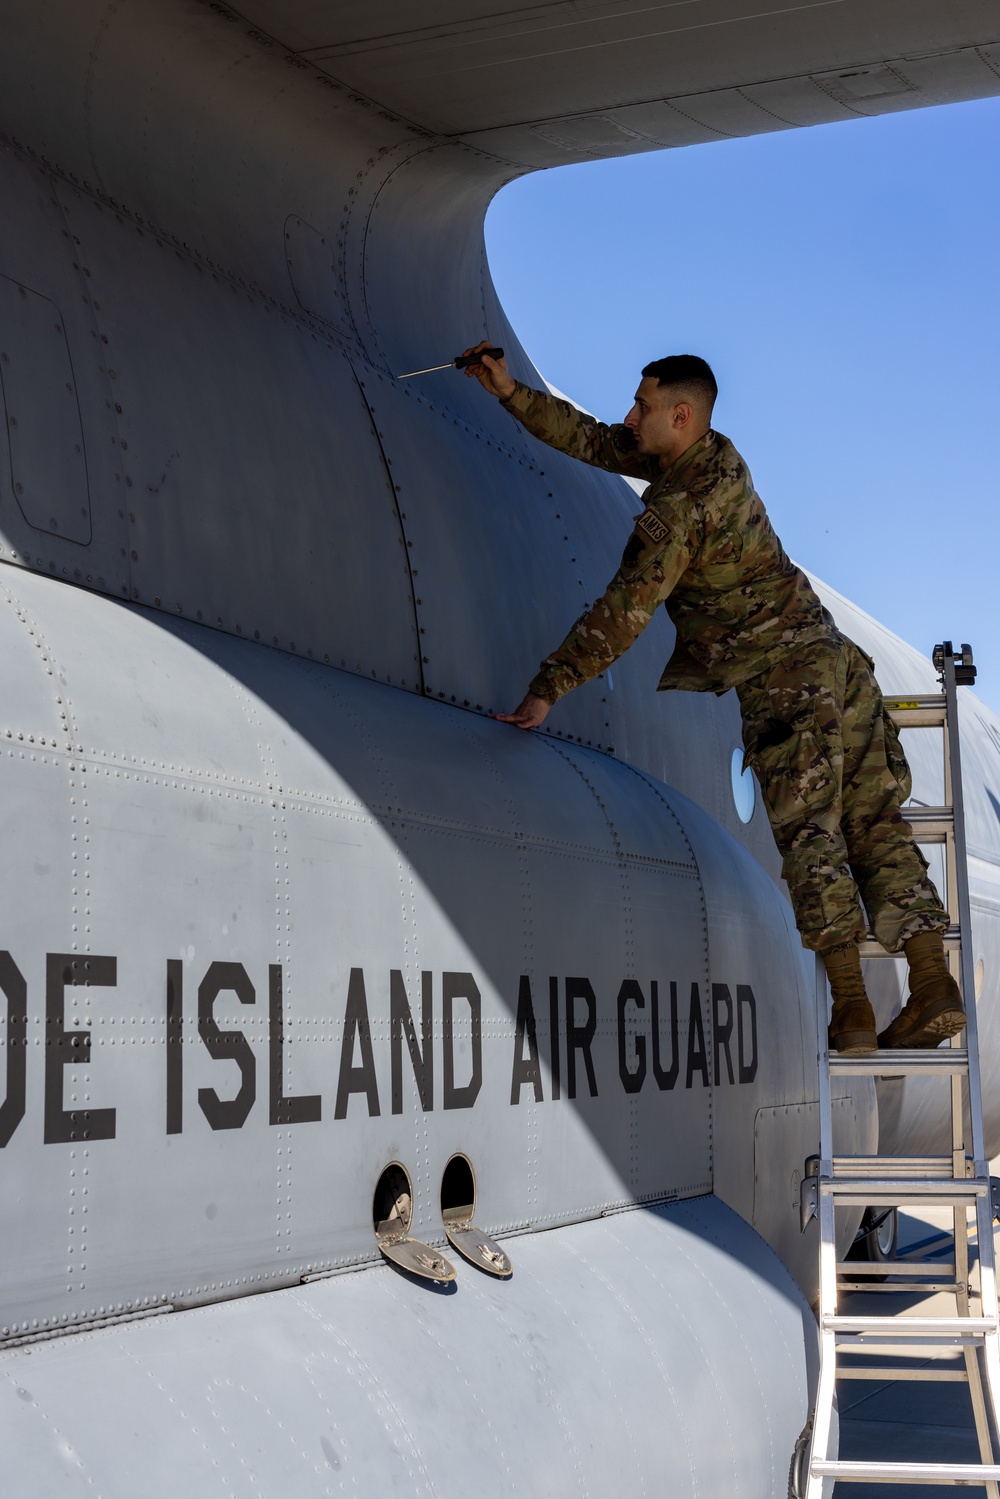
(464, 360)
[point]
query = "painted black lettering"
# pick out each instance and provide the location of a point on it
(697, 1057)
(554, 1038)
(722, 1031)
(526, 1069)
(359, 1079)
(231, 1046)
(461, 986)
(401, 1024)
(175, 1044)
(303, 1108)
(580, 1037)
(63, 1047)
(631, 1081)
(664, 1079)
(745, 997)
(15, 991)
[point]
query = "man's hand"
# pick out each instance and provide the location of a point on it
(491, 373)
(528, 716)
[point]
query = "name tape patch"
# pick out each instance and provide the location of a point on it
(655, 528)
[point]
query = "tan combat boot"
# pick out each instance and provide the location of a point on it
(852, 1024)
(934, 1008)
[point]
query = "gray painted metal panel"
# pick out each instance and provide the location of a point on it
(275, 528)
(234, 806)
(654, 1351)
(467, 71)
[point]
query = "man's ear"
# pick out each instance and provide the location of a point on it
(683, 413)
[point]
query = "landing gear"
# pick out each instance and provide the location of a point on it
(875, 1240)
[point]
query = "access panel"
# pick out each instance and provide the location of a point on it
(47, 463)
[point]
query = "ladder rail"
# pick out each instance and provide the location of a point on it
(982, 1361)
(964, 911)
(826, 1389)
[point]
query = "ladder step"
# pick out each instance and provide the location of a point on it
(933, 820)
(881, 1287)
(949, 1060)
(872, 949)
(894, 701)
(921, 711)
(912, 1327)
(888, 1191)
(924, 1374)
(913, 1268)
(936, 1166)
(956, 1473)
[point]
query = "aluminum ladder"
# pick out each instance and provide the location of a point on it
(959, 1180)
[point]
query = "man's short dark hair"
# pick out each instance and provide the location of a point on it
(688, 370)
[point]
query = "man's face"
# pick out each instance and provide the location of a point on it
(659, 420)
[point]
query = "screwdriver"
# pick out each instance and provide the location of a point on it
(461, 363)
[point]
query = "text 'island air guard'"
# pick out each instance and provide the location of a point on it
(832, 774)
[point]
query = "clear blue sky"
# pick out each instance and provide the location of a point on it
(844, 283)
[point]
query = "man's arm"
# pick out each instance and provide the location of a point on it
(649, 572)
(561, 424)
(573, 432)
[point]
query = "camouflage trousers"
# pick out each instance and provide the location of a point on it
(832, 777)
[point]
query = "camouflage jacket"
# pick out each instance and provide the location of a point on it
(703, 546)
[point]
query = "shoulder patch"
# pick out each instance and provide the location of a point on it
(655, 528)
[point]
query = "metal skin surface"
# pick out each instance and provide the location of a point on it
(325, 834)
(279, 816)
(364, 1385)
(246, 775)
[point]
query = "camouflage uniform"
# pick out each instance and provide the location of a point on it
(833, 776)
(831, 771)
